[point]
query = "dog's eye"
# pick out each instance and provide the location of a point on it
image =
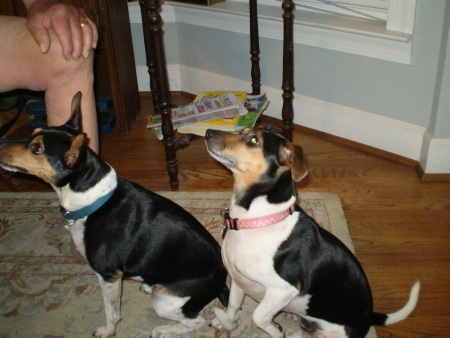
(36, 148)
(253, 141)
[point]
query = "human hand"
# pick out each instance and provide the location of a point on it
(77, 33)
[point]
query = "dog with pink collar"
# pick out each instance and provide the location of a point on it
(278, 255)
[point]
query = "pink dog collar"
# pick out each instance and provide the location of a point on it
(255, 223)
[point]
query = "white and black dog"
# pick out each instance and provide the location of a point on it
(124, 230)
(278, 255)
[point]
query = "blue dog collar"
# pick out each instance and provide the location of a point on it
(70, 217)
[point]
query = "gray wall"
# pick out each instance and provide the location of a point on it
(170, 43)
(440, 122)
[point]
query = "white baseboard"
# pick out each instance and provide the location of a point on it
(394, 136)
(435, 158)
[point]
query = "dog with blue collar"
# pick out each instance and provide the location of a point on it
(124, 230)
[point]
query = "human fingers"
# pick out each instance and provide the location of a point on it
(81, 34)
(73, 28)
(39, 33)
(84, 35)
(89, 34)
(65, 30)
(94, 32)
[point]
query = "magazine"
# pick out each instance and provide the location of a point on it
(227, 123)
(255, 104)
(222, 106)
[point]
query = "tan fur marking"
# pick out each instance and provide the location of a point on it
(75, 102)
(299, 169)
(35, 131)
(74, 151)
(251, 162)
(20, 156)
(163, 290)
(118, 276)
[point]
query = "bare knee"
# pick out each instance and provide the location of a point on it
(71, 70)
(22, 65)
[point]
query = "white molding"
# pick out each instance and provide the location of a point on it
(366, 40)
(397, 137)
(435, 158)
(401, 16)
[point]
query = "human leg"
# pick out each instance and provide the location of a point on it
(22, 65)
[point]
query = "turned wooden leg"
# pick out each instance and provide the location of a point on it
(158, 72)
(150, 58)
(254, 48)
(287, 112)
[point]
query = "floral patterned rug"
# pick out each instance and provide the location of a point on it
(45, 292)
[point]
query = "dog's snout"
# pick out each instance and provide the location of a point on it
(212, 133)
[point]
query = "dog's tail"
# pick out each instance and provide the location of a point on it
(391, 318)
(224, 295)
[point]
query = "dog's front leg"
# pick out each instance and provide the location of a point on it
(273, 302)
(230, 319)
(111, 292)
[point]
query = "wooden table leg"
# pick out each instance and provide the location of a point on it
(254, 48)
(287, 111)
(158, 72)
(150, 57)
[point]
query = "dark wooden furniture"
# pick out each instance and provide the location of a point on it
(116, 49)
(114, 67)
(159, 85)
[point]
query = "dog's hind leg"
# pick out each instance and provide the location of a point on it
(168, 305)
(111, 292)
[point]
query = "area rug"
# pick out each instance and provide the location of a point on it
(45, 292)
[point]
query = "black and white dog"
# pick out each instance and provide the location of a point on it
(124, 230)
(278, 255)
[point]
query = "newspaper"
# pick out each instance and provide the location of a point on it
(209, 108)
(255, 104)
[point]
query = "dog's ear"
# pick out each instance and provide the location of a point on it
(292, 156)
(77, 151)
(75, 116)
(271, 129)
(299, 169)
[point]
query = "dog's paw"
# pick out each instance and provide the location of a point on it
(298, 335)
(223, 322)
(162, 332)
(102, 332)
(180, 329)
(146, 289)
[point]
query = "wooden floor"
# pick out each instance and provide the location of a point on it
(400, 226)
